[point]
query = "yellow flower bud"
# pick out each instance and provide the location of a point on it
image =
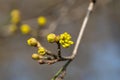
(61, 41)
(42, 21)
(71, 42)
(41, 51)
(64, 46)
(35, 56)
(66, 40)
(13, 28)
(25, 29)
(15, 20)
(15, 12)
(51, 38)
(15, 16)
(67, 45)
(32, 42)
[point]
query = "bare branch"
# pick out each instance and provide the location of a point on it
(90, 8)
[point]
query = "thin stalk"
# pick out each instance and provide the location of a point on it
(61, 70)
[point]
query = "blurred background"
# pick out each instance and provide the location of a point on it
(98, 56)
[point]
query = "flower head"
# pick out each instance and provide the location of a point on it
(35, 56)
(51, 38)
(25, 29)
(13, 28)
(42, 21)
(15, 12)
(32, 42)
(41, 51)
(65, 40)
(15, 16)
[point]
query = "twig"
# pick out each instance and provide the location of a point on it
(59, 50)
(60, 70)
(90, 8)
(74, 53)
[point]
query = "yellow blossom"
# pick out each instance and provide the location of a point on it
(65, 40)
(42, 20)
(25, 29)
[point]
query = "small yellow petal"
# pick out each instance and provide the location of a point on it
(71, 42)
(67, 45)
(61, 41)
(66, 40)
(64, 46)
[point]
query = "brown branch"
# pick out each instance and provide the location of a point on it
(59, 50)
(74, 53)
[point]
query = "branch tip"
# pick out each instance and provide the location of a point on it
(94, 1)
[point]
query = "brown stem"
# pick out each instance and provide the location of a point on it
(74, 53)
(59, 50)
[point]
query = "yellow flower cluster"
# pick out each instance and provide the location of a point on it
(25, 29)
(15, 19)
(65, 40)
(15, 16)
(42, 20)
(41, 51)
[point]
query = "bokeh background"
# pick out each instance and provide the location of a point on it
(99, 52)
